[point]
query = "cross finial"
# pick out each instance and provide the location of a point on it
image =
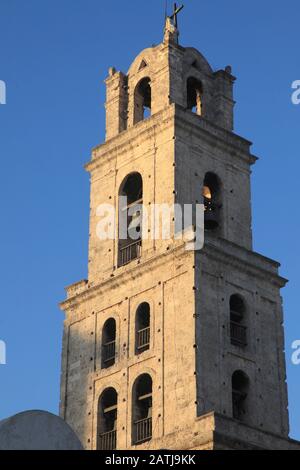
(171, 26)
(175, 14)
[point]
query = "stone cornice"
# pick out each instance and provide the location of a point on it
(120, 275)
(239, 257)
(215, 135)
(224, 251)
(228, 429)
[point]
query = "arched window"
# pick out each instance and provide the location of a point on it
(142, 100)
(194, 96)
(142, 328)
(108, 355)
(130, 219)
(142, 409)
(240, 392)
(211, 201)
(107, 420)
(238, 329)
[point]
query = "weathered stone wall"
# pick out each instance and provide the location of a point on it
(221, 275)
(191, 358)
(202, 147)
(227, 266)
(147, 148)
(166, 283)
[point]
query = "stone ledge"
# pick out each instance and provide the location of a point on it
(231, 434)
(76, 288)
(216, 432)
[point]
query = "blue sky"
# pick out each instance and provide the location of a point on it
(54, 56)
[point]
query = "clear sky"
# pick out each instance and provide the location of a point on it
(54, 56)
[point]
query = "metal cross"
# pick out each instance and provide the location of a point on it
(175, 13)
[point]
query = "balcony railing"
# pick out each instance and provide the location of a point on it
(142, 430)
(130, 252)
(109, 352)
(107, 441)
(238, 334)
(143, 338)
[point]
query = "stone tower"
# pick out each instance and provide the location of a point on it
(166, 347)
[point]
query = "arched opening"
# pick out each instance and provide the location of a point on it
(108, 355)
(142, 328)
(238, 329)
(194, 96)
(142, 409)
(142, 100)
(211, 201)
(130, 219)
(107, 420)
(240, 392)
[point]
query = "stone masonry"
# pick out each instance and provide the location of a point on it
(191, 358)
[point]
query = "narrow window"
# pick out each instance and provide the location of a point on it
(108, 355)
(130, 219)
(142, 409)
(240, 391)
(194, 96)
(107, 420)
(238, 329)
(211, 201)
(142, 328)
(142, 100)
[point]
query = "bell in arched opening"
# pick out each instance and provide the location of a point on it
(211, 190)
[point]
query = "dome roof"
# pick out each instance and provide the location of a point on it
(37, 430)
(191, 57)
(146, 57)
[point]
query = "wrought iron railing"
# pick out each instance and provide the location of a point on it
(130, 252)
(143, 338)
(238, 334)
(142, 430)
(107, 441)
(109, 352)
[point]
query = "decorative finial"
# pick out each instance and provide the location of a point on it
(171, 26)
(175, 14)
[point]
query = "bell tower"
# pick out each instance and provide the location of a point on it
(165, 347)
